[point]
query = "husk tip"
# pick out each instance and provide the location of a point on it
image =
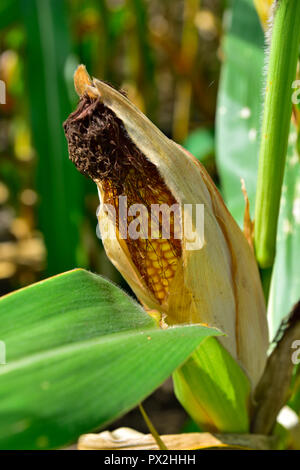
(83, 83)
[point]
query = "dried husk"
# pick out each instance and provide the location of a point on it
(129, 439)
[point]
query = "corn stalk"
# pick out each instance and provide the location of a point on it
(284, 49)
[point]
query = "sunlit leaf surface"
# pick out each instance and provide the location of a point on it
(79, 353)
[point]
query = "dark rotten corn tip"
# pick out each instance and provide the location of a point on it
(100, 148)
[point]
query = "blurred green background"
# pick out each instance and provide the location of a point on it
(165, 54)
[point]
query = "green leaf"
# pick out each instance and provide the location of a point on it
(239, 108)
(285, 285)
(80, 353)
(9, 13)
(213, 389)
(59, 185)
(241, 95)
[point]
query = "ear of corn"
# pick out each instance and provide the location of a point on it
(217, 283)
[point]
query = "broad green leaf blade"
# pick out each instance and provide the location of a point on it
(71, 307)
(80, 353)
(238, 126)
(239, 107)
(285, 286)
(9, 13)
(213, 389)
(200, 143)
(59, 185)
